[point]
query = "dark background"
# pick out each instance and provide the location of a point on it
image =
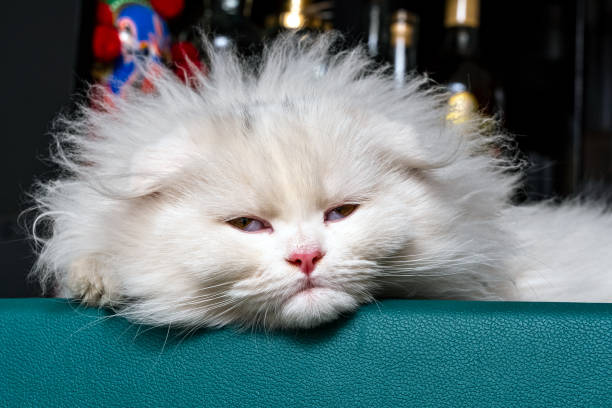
(553, 59)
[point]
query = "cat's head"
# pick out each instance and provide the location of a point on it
(284, 195)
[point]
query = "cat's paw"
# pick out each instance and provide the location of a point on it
(86, 281)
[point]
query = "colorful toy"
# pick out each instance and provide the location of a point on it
(131, 43)
(186, 59)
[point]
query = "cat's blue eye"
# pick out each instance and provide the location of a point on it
(249, 224)
(338, 213)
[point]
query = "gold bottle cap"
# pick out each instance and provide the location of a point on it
(462, 13)
(462, 106)
(295, 16)
(402, 27)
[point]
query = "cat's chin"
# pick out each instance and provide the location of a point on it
(314, 306)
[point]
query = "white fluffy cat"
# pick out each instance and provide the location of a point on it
(289, 192)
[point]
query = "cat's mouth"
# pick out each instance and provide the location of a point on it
(313, 302)
(308, 285)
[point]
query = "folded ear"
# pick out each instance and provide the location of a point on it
(415, 147)
(155, 164)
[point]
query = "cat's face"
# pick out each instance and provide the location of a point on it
(280, 194)
(280, 219)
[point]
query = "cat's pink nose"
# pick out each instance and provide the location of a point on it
(305, 260)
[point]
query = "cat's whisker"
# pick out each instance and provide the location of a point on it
(358, 263)
(465, 259)
(421, 257)
(426, 266)
(237, 304)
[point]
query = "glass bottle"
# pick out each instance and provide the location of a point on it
(228, 27)
(404, 28)
(461, 70)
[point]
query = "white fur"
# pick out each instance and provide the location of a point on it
(137, 220)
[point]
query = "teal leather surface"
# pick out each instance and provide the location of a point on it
(397, 353)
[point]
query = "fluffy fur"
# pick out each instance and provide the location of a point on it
(138, 218)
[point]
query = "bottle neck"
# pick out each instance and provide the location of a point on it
(293, 16)
(464, 13)
(231, 7)
(462, 41)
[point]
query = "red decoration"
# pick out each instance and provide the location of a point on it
(185, 57)
(183, 51)
(106, 44)
(104, 14)
(168, 9)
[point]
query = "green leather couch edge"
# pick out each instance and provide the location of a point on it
(394, 353)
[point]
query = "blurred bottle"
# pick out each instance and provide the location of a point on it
(291, 16)
(229, 26)
(376, 23)
(461, 69)
(404, 28)
(301, 15)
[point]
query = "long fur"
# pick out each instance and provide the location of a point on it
(137, 220)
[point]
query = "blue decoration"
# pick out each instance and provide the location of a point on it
(144, 42)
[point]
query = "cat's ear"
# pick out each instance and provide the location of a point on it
(409, 148)
(153, 167)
